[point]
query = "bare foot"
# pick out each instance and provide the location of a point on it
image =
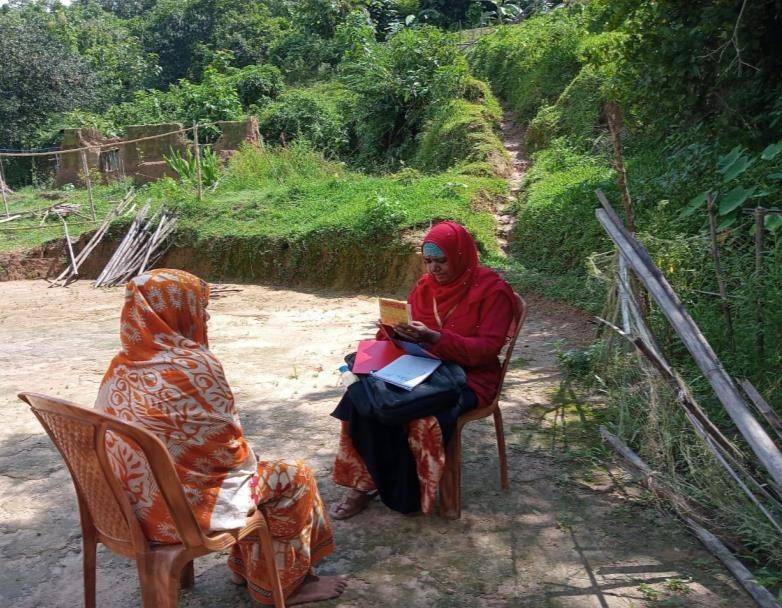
(238, 579)
(316, 589)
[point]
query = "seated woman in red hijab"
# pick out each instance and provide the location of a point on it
(461, 313)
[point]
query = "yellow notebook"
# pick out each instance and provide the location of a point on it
(394, 312)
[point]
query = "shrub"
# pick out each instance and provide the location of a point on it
(530, 65)
(256, 84)
(575, 114)
(556, 228)
(307, 114)
(301, 56)
(397, 84)
(213, 99)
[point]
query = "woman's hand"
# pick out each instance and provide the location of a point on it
(415, 331)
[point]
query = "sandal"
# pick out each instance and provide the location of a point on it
(352, 504)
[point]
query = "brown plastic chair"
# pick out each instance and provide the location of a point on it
(451, 481)
(106, 513)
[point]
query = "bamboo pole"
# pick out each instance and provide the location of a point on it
(715, 254)
(74, 266)
(197, 149)
(711, 367)
(88, 181)
(763, 407)
(614, 115)
(3, 187)
(760, 594)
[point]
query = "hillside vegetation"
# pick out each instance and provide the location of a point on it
(700, 86)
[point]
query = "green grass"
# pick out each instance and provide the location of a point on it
(292, 195)
(25, 233)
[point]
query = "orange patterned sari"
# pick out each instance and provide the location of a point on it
(425, 439)
(166, 380)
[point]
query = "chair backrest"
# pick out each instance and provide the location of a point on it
(514, 329)
(80, 436)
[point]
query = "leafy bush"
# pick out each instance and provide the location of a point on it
(302, 56)
(308, 114)
(257, 84)
(556, 228)
(398, 84)
(187, 170)
(530, 65)
(213, 99)
(575, 114)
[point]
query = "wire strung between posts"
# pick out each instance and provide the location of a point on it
(112, 144)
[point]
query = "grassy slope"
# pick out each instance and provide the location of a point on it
(293, 194)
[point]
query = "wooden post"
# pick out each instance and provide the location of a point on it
(715, 254)
(614, 115)
(3, 187)
(88, 180)
(71, 257)
(199, 183)
(760, 338)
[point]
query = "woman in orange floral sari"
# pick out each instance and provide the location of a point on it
(165, 379)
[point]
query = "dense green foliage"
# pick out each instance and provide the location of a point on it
(700, 87)
(368, 82)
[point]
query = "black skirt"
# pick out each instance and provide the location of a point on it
(385, 450)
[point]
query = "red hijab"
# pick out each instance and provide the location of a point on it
(432, 302)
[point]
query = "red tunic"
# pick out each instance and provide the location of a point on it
(473, 336)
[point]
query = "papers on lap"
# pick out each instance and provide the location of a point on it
(373, 355)
(407, 371)
(394, 312)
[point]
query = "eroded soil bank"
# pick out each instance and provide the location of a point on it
(556, 539)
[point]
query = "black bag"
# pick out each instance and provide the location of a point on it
(392, 405)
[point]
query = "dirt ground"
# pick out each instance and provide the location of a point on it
(555, 539)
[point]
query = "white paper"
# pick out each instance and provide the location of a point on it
(407, 371)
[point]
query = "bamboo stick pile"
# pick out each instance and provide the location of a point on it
(72, 271)
(144, 243)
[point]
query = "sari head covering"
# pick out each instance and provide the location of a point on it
(166, 380)
(434, 302)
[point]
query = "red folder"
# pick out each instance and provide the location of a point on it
(373, 355)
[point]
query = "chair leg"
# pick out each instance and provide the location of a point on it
(89, 546)
(159, 576)
(501, 449)
(265, 538)
(187, 578)
(451, 482)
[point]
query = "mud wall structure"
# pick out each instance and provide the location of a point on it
(144, 160)
(70, 167)
(234, 134)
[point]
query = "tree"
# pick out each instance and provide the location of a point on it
(40, 76)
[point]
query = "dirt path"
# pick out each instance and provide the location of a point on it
(558, 538)
(512, 138)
